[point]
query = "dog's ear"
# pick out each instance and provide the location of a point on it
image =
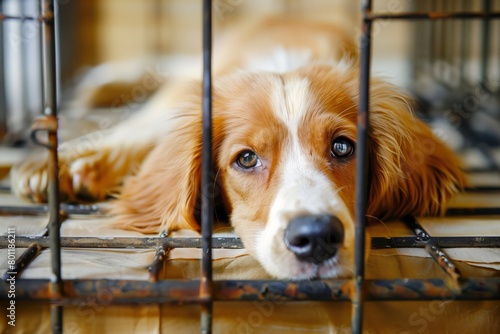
(412, 171)
(165, 194)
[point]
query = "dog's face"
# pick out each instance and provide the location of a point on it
(287, 167)
(286, 160)
(284, 150)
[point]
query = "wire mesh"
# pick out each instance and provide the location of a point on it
(204, 291)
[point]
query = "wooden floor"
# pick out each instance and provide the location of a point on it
(132, 263)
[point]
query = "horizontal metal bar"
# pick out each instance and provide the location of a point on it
(428, 289)
(451, 212)
(92, 209)
(186, 291)
(483, 189)
(34, 210)
(40, 18)
(480, 170)
(235, 243)
(8, 189)
(443, 242)
(112, 242)
(431, 16)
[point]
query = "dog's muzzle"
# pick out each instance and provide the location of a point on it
(314, 238)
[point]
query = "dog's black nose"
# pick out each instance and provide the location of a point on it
(314, 238)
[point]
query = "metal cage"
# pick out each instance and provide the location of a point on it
(205, 290)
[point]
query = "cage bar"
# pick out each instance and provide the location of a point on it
(33, 210)
(362, 169)
(207, 200)
(485, 44)
(205, 291)
(3, 101)
(95, 210)
(186, 291)
(436, 253)
(235, 243)
(23, 261)
(50, 96)
(437, 15)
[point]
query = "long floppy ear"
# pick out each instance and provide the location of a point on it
(164, 195)
(413, 172)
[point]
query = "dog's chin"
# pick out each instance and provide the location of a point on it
(290, 268)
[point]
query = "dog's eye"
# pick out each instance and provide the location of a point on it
(342, 147)
(247, 160)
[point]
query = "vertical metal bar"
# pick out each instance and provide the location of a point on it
(25, 81)
(418, 52)
(460, 42)
(49, 9)
(157, 9)
(207, 200)
(485, 44)
(443, 44)
(465, 46)
(433, 42)
(3, 102)
(362, 169)
(161, 256)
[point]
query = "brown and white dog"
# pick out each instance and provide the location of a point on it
(284, 125)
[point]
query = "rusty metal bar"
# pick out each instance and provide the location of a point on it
(49, 51)
(161, 256)
(431, 16)
(361, 170)
(451, 212)
(92, 209)
(235, 243)
(492, 188)
(47, 124)
(442, 242)
(433, 288)
(436, 253)
(187, 291)
(22, 262)
(207, 181)
(481, 169)
(155, 268)
(123, 242)
(66, 209)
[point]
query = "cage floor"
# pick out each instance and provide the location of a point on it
(230, 317)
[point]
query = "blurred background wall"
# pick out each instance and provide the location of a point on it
(411, 54)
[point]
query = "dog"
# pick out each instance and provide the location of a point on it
(285, 104)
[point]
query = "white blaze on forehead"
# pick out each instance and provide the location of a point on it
(304, 188)
(290, 101)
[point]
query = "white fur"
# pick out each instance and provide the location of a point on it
(303, 190)
(280, 60)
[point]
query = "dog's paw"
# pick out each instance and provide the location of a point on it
(93, 176)
(88, 177)
(30, 179)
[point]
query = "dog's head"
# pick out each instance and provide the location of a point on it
(284, 151)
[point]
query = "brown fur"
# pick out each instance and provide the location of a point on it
(411, 170)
